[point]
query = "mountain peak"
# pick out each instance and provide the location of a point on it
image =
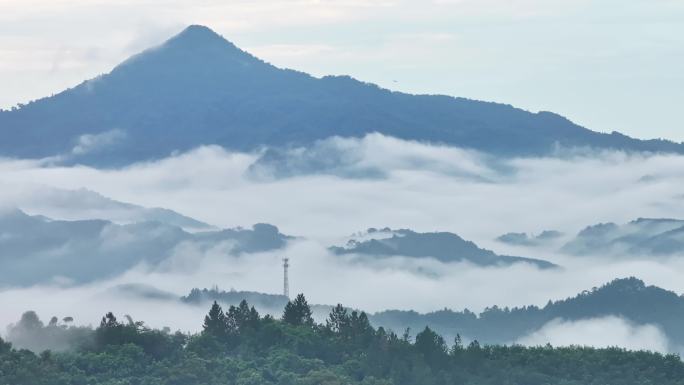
(197, 56)
(198, 34)
(199, 39)
(625, 284)
(198, 29)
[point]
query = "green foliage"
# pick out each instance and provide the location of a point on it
(431, 345)
(242, 318)
(155, 343)
(239, 347)
(5, 347)
(298, 312)
(338, 320)
(628, 298)
(215, 323)
(31, 333)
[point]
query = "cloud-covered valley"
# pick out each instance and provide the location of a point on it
(600, 332)
(324, 194)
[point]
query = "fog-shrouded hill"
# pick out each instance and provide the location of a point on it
(36, 249)
(629, 299)
(443, 246)
(234, 297)
(266, 303)
(524, 239)
(198, 88)
(87, 204)
(140, 291)
(99, 206)
(642, 237)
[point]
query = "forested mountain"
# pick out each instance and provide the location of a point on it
(36, 249)
(265, 303)
(241, 347)
(641, 237)
(261, 300)
(198, 89)
(628, 298)
(443, 246)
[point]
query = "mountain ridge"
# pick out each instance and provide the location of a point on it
(443, 246)
(656, 237)
(38, 250)
(198, 88)
(627, 298)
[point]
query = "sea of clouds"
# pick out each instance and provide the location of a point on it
(339, 186)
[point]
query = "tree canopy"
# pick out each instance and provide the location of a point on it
(239, 346)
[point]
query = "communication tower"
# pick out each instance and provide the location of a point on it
(286, 282)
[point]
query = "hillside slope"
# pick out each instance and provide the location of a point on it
(198, 89)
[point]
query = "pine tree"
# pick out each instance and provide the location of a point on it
(298, 312)
(458, 345)
(431, 344)
(253, 318)
(215, 322)
(338, 320)
(5, 347)
(242, 317)
(109, 321)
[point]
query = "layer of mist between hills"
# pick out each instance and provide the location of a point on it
(36, 249)
(39, 250)
(642, 237)
(84, 204)
(658, 237)
(524, 239)
(444, 246)
(627, 301)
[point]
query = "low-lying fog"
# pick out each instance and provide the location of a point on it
(341, 186)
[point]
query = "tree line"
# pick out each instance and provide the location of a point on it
(240, 346)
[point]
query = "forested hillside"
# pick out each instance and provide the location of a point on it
(628, 298)
(443, 246)
(241, 347)
(36, 249)
(198, 89)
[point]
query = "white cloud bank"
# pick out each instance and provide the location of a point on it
(601, 333)
(422, 187)
(419, 186)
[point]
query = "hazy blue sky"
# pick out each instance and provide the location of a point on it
(608, 64)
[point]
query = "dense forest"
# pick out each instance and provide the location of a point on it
(239, 346)
(627, 298)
